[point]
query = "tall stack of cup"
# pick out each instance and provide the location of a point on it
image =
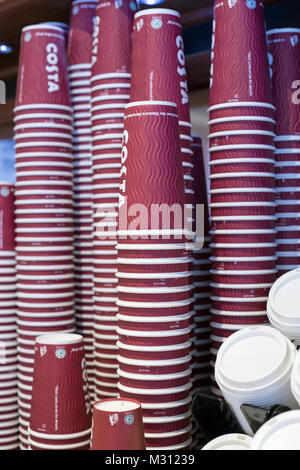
(242, 178)
(9, 432)
(44, 206)
(154, 290)
(110, 90)
(200, 272)
(61, 410)
(284, 54)
(79, 62)
(159, 73)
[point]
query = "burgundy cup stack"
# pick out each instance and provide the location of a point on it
(242, 178)
(110, 90)
(9, 424)
(79, 62)
(200, 273)
(61, 410)
(284, 54)
(44, 206)
(154, 290)
(159, 73)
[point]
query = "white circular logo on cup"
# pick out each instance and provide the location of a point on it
(4, 192)
(27, 37)
(60, 353)
(251, 4)
(129, 419)
(75, 10)
(133, 6)
(156, 24)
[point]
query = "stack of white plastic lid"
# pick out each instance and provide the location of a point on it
(79, 58)
(280, 433)
(229, 442)
(283, 304)
(254, 367)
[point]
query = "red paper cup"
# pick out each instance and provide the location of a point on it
(167, 171)
(62, 362)
(254, 86)
(164, 73)
(81, 31)
(115, 57)
(127, 433)
(45, 44)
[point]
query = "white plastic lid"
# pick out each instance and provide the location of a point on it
(284, 298)
(229, 442)
(280, 433)
(252, 357)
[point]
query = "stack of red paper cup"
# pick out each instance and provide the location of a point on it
(110, 90)
(158, 73)
(61, 410)
(153, 276)
(284, 54)
(9, 432)
(79, 60)
(242, 179)
(44, 206)
(200, 273)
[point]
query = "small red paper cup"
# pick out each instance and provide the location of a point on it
(127, 431)
(238, 264)
(116, 57)
(46, 45)
(165, 67)
(59, 352)
(259, 89)
(239, 304)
